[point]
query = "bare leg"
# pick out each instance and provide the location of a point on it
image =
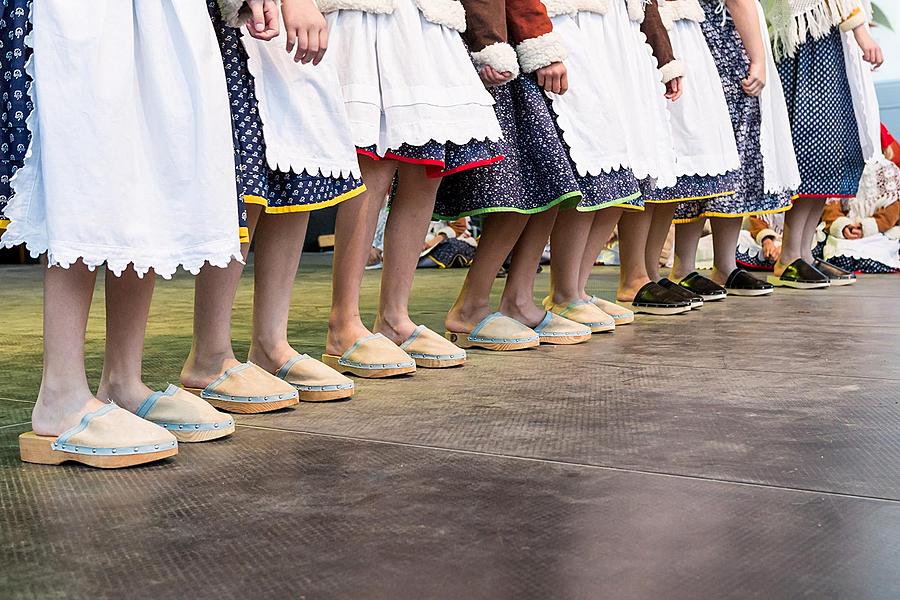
(279, 246)
(660, 225)
(567, 243)
(354, 232)
(687, 238)
(634, 228)
(64, 396)
(725, 232)
(605, 222)
(517, 300)
(214, 292)
(498, 238)
(127, 310)
(816, 206)
(792, 241)
(404, 236)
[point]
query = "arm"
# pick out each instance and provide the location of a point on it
(746, 21)
(858, 24)
(487, 39)
(540, 49)
(882, 220)
(659, 41)
(836, 221)
(760, 230)
(306, 29)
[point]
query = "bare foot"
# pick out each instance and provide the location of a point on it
(719, 277)
(271, 358)
(129, 396)
(464, 319)
(343, 334)
(526, 313)
(199, 372)
(627, 292)
(57, 410)
(397, 329)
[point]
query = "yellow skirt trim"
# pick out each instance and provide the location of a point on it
(693, 198)
(630, 207)
(732, 215)
(244, 234)
(277, 210)
(4, 223)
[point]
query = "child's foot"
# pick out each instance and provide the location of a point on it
(129, 396)
(58, 410)
(527, 313)
(397, 329)
(272, 357)
(463, 319)
(199, 373)
(627, 291)
(342, 335)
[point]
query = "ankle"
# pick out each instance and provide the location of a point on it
(270, 354)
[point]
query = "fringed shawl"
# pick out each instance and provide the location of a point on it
(793, 22)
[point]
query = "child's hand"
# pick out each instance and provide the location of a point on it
(755, 81)
(263, 24)
(853, 232)
(306, 29)
(872, 52)
(553, 78)
(674, 89)
(771, 250)
(491, 76)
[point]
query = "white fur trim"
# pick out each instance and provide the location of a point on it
(556, 8)
(636, 9)
(680, 10)
(601, 7)
(869, 227)
(837, 228)
(671, 70)
(765, 233)
(500, 56)
(893, 233)
(449, 13)
(853, 22)
(383, 7)
(541, 51)
(235, 13)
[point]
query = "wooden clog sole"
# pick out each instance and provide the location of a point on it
(433, 363)
(335, 363)
(205, 435)
(564, 340)
(245, 408)
(797, 285)
(38, 449)
(623, 320)
(462, 340)
(324, 395)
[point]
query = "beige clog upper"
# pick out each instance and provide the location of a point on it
(376, 352)
(584, 312)
(176, 406)
(307, 373)
(425, 343)
(248, 382)
(557, 326)
(500, 329)
(114, 430)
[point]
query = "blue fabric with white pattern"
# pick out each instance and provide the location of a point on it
(732, 64)
(15, 104)
(823, 123)
(282, 192)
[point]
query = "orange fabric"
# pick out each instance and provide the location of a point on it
(887, 217)
(757, 225)
(833, 211)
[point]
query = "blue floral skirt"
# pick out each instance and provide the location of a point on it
(823, 123)
(276, 191)
(749, 195)
(15, 104)
(442, 159)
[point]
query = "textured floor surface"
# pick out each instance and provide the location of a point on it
(747, 450)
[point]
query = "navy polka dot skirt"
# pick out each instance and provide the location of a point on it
(748, 184)
(536, 174)
(276, 191)
(823, 123)
(15, 104)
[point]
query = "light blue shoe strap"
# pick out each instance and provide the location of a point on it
(286, 367)
(547, 318)
(484, 323)
(413, 337)
(85, 420)
(572, 306)
(152, 399)
(359, 343)
(228, 373)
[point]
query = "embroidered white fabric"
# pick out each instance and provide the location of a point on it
(406, 80)
(131, 160)
(701, 124)
(640, 93)
(305, 121)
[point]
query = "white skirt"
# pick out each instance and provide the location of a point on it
(588, 113)
(131, 160)
(638, 91)
(408, 81)
(879, 248)
(305, 121)
(701, 124)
